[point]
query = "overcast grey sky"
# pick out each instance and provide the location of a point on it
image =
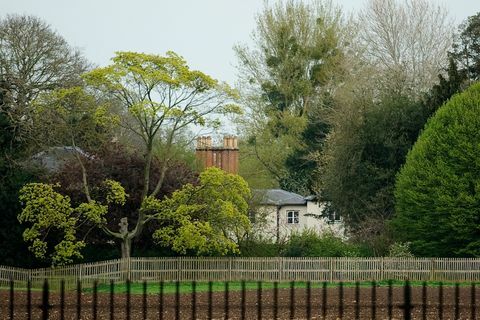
(202, 31)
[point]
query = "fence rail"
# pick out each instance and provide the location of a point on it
(249, 269)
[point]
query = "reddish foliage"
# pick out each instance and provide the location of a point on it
(127, 167)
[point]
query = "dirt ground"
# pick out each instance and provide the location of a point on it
(218, 309)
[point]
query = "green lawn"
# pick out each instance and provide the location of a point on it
(186, 287)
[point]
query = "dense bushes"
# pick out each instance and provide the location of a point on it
(305, 244)
(438, 189)
(310, 244)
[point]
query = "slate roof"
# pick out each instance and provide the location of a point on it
(54, 158)
(277, 197)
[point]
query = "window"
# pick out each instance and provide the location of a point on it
(292, 217)
(333, 217)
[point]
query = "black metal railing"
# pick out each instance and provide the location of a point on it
(252, 300)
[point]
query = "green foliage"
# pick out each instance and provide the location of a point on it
(208, 218)
(466, 48)
(115, 192)
(437, 190)
(46, 209)
(251, 247)
(296, 59)
(72, 116)
(310, 244)
(447, 86)
(400, 250)
(363, 155)
(184, 96)
(52, 218)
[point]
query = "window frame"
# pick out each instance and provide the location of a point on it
(334, 217)
(294, 218)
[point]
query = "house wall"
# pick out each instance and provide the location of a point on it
(323, 224)
(265, 224)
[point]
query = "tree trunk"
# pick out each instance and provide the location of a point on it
(126, 247)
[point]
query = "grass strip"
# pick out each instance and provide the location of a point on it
(218, 286)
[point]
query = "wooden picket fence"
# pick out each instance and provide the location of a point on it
(250, 269)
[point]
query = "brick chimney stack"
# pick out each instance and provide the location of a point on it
(225, 157)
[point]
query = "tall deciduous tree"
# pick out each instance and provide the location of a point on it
(381, 108)
(466, 48)
(437, 191)
(288, 75)
(160, 97)
(33, 59)
(408, 41)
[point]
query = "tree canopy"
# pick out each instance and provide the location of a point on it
(407, 42)
(159, 98)
(466, 47)
(33, 59)
(288, 75)
(207, 218)
(437, 191)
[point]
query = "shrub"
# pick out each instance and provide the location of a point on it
(310, 244)
(438, 189)
(259, 248)
(400, 250)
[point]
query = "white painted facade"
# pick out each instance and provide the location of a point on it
(277, 221)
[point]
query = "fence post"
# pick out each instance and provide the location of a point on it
(125, 266)
(45, 306)
(331, 268)
(79, 273)
(382, 269)
(432, 269)
(280, 269)
(230, 269)
(407, 301)
(178, 268)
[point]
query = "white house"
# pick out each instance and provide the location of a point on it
(278, 213)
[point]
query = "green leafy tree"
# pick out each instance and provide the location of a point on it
(209, 218)
(160, 98)
(46, 210)
(436, 194)
(287, 77)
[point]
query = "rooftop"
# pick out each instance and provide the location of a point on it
(277, 197)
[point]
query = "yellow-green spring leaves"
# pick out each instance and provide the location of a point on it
(48, 212)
